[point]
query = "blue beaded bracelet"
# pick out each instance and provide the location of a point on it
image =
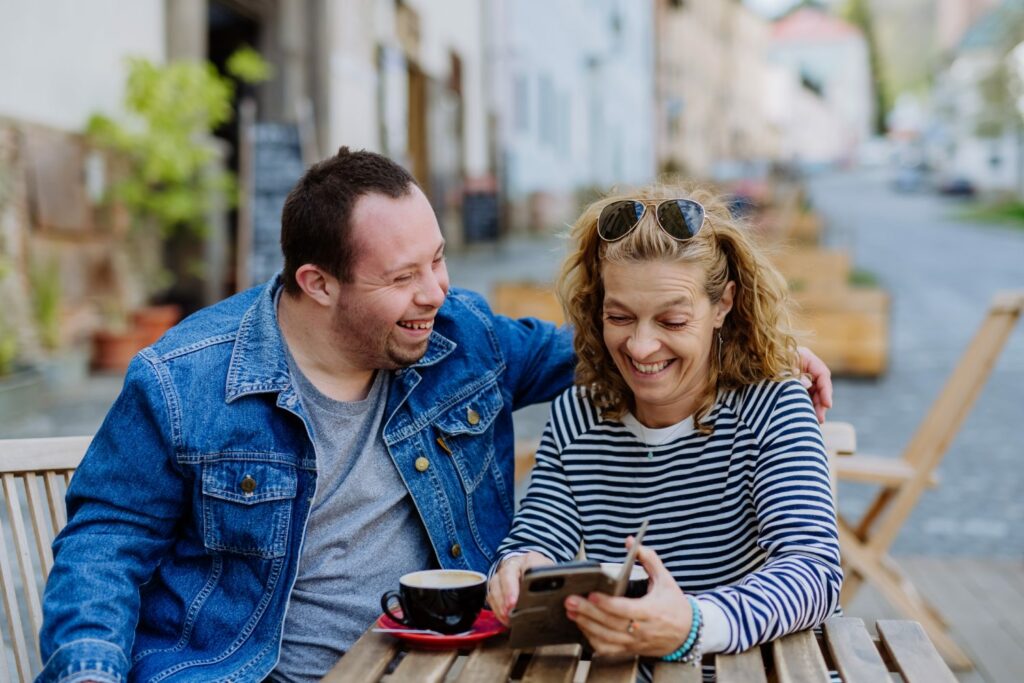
(692, 639)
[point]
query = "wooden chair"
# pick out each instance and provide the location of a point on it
(866, 542)
(35, 474)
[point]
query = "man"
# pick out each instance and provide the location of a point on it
(278, 460)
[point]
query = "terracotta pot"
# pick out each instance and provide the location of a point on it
(114, 350)
(152, 321)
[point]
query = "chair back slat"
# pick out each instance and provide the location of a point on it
(22, 550)
(34, 475)
(5, 675)
(15, 625)
(961, 390)
(929, 443)
(40, 522)
(55, 497)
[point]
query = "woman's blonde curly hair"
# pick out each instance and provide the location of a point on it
(755, 337)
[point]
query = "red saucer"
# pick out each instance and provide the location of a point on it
(485, 626)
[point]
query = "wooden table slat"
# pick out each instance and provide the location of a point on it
(365, 661)
(553, 663)
(904, 647)
(492, 661)
(746, 667)
(612, 670)
(424, 666)
(674, 672)
(914, 654)
(798, 658)
(853, 651)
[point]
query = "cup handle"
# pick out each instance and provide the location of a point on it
(385, 604)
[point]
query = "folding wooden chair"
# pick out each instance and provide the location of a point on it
(35, 474)
(866, 542)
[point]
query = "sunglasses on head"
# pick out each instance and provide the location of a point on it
(680, 219)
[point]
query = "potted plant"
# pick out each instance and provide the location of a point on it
(166, 175)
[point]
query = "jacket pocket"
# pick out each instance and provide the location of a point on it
(247, 506)
(466, 430)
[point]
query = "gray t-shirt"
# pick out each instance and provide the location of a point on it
(363, 532)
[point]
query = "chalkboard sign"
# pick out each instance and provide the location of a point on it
(276, 166)
(480, 216)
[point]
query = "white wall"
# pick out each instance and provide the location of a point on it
(61, 60)
(810, 131)
(575, 94)
(350, 34)
(840, 65)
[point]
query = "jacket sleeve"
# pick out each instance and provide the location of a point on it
(548, 521)
(538, 355)
(123, 504)
(798, 585)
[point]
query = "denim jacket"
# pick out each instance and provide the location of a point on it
(186, 516)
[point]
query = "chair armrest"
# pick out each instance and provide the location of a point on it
(877, 469)
(840, 438)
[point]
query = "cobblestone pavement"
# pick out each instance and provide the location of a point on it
(941, 272)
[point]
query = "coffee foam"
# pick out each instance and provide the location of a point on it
(443, 578)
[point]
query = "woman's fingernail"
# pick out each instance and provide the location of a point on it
(571, 603)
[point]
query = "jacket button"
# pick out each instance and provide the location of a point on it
(456, 550)
(248, 485)
(422, 464)
(472, 417)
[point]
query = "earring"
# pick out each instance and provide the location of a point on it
(719, 347)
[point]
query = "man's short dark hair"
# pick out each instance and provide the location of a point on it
(316, 220)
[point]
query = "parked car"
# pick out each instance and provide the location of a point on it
(957, 186)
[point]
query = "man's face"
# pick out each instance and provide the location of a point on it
(384, 317)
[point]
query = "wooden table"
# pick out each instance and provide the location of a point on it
(846, 647)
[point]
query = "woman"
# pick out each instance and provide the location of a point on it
(687, 413)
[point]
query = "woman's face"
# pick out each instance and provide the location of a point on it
(659, 327)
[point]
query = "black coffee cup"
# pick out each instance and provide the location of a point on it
(443, 600)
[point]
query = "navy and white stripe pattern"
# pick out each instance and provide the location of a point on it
(743, 518)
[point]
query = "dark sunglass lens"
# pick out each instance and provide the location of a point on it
(681, 218)
(618, 218)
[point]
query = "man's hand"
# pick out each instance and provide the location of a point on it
(819, 383)
(503, 588)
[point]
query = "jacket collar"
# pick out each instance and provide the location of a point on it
(258, 363)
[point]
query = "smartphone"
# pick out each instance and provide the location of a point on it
(539, 615)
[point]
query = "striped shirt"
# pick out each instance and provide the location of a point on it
(743, 518)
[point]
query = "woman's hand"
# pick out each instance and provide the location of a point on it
(652, 626)
(820, 383)
(503, 588)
